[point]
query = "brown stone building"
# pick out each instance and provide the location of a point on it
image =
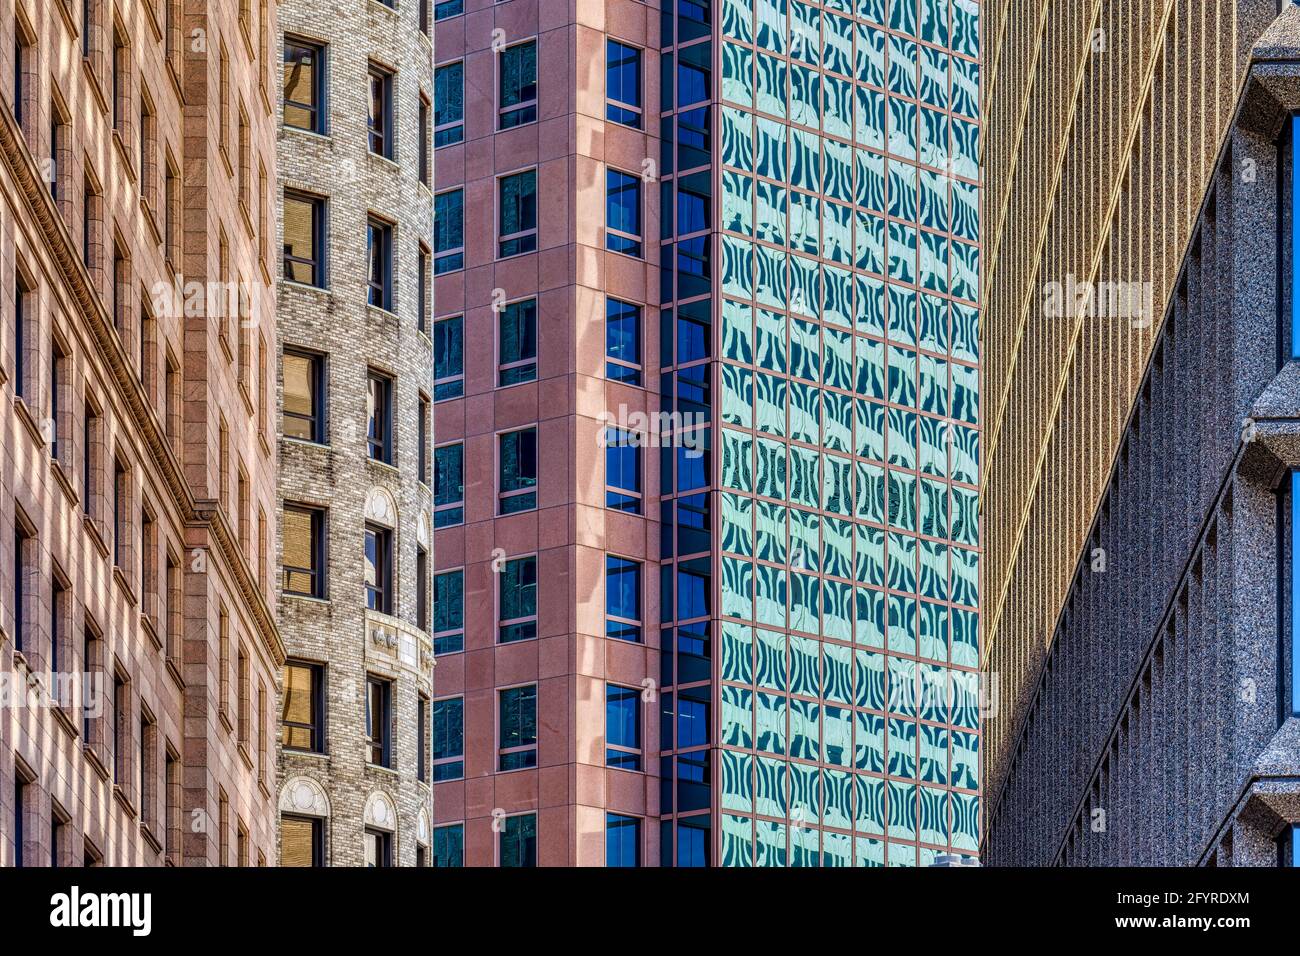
(138, 648)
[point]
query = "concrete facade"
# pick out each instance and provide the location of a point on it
(137, 640)
(1140, 620)
(353, 338)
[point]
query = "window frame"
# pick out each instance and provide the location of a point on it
(523, 627)
(612, 104)
(526, 238)
(380, 447)
(632, 243)
(451, 765)
(526, 108)
(617, 626)
(380, 597)
(316, 421)
(381, 129)
(449, 132)
(319, 110)
(633, 754)
(381, 746)
(456, 509)
(455, 632)
(520, 365)
(317, 576)
(634, 375)
(316, 693)
(523, 491)
(380, 234)
(317, 263)
(456, 381)
(453, 256)
(524, 750)
(619, 441)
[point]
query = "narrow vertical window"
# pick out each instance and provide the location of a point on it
(379, 252)
(379, 119)
(517, 724)
(421, 588)
(622, 840)
(303, 557)
(448, 231)
(518, 842)
(518, 600)
(622, 599)
(518, 85)
(448, 359)
(448, 739)
(304, 409)
(304, 85)
(422, 436)
(379, 417)
(423, 157)
(449, 104)
(304, 239)
(517, 340)
(448, 612)
(622, 727)
(623, 83)
(379, 721)
(622, 342)
(623, 470)
(379, 569)
(622, 213)
(518, 471)
(517, 214)
(448, 485)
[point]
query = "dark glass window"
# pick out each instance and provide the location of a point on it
(622, 598)
(448, 485)
(421, 588)
(304, 239)
(519, 841)
(448, 231)
(623, 342)
(623, 83)
(379, 117)
(622, 470)
(423, 159)
(379, 848)
(448, 359)
(304, 558)
(379, 254)
(447, 9)
(622, 727)
(449, 842)
(304, 85)
(304, 396)
(379, 722)
(379, 418)
(518, 81)
(517, 207)
(302, 718)
(448, 104)
(449, 739)
(379, 569)
(518, 723)
(448, 612)
(422, 436)
(518, 600)
(518, 341)
(622, 840)
(622, 213)
(518, 463)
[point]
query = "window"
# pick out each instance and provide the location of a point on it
(422, 738)
(302, 720)
(518, 85)
(518, 741)
(58, 836)
(518, 582)
(379, 254)
(421, 588)
(623, 470)
(448, 485)
(379, 848)
(623, 83)
(379, 716)
(448, 359)
(22, 53)
(447, 9)
(380, 116)
(422, 293)
(518, 343)
(121, 86)
(424, 16)
(448, 612)
(121, 515)
(448, 231)
(423, 159)
(60, 621)
(304, 85)
(304, 239)
(518, 845)
(622, 840)
(379, 569)
(60, 154)
(302, 841)
(449, 739)
(622, 599)
(517, 214)
(146, 770)
(448, 104)
(172, 819)
(304, 558)
(172, 211)
(25, 563)
(622, 342)
(518, 485)
(121, 729)
(20, 811)
(379, 417)
(622, 727)
(304, 396)
(622, 213)
(449, 842)
(422, 436)
(148, 158)
(22, 336)
(60, 423)
(174, 612)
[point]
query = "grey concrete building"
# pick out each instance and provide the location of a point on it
(1149, 704)
(354, 535)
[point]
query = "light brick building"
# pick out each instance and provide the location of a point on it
(137, 639)
(356, 373)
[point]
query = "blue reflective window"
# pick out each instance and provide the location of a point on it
(622, 599)
(449, 739)
(517, 214)
(518, 85)
(623, 83)
(449, 231)
(623, 727)
(1295, 592)
(449, 843)
(623, 342)
(448, 104)
(622, 213)
(518, 723)
(622, 471)
(622, 840)
(448, 485)
(448, 358)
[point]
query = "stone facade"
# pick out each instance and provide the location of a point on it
(1156, 726)
(352, 338)
(136, 460)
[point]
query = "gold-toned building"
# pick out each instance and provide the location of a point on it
(1136, 162)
